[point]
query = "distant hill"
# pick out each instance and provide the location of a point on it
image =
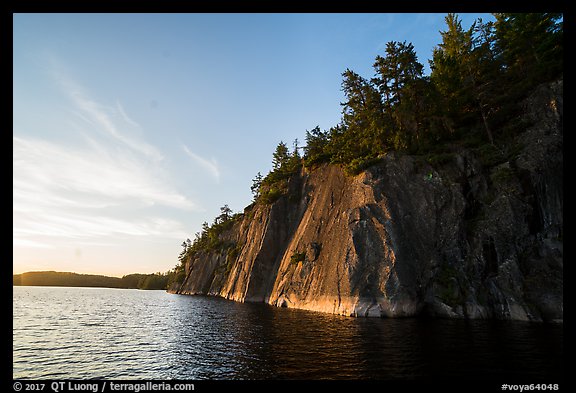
(68, 279)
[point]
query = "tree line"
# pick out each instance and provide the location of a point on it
(478, 77)
(68, 279)
(471, 99)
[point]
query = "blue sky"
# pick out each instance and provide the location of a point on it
(130, 130)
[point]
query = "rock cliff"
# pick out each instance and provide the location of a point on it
(462, 239)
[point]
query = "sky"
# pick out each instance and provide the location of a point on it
(131, 130)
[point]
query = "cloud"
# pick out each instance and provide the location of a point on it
(75, 193)
(20, 242)
(58, 224)
(111, 184)
(126, 118)
(104, 118)
(209, 165)
(74, 176)
(103, 121)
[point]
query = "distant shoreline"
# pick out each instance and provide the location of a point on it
(70, 279)
(85, 286)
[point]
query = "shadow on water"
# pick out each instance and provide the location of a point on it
(228, 340)
(106, 333)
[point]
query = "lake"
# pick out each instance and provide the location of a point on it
(78, 333)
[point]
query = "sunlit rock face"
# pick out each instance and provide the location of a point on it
(404, 238)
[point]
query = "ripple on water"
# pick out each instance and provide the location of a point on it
(66, 333)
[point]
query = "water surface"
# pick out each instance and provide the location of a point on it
(132, 334)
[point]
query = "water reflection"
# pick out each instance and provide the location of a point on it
(255, 341)
(125, 334)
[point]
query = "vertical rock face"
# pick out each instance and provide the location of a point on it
(404, 239)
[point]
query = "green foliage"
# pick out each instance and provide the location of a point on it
(231, 256)
(466, 99)
(399, 79)
(531, 46)
(67, 279)
(358, 165)
(315, 151)
(271, 195)
(490, 155)
(297, 257)
(233, 252)
(280, 157)
(285, 165)
(363, 118)
(439, 159)
(464, 70)
(209, 238)
(176, 276)
(256, 184)
(479, 75)
(399, 69)
(472, 140)
(147, 281)
(153, 281)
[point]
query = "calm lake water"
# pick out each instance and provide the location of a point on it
(63, 333)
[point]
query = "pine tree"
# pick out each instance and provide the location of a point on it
(400, 83)
(362, 120)
(530, 45)
(256, 184)
(315, 151)
(183, 253)
(461, 71)
(295, 147)
(398, 69)
(225, 213)
(280, 156)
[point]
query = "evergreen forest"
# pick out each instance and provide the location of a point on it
(471, 100)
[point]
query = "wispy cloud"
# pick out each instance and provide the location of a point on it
(126, 118)
(211, 166)
(111, 185)
(68, 192)
(75, 176)
(18, 241)
(58, 224)
(102, 117)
